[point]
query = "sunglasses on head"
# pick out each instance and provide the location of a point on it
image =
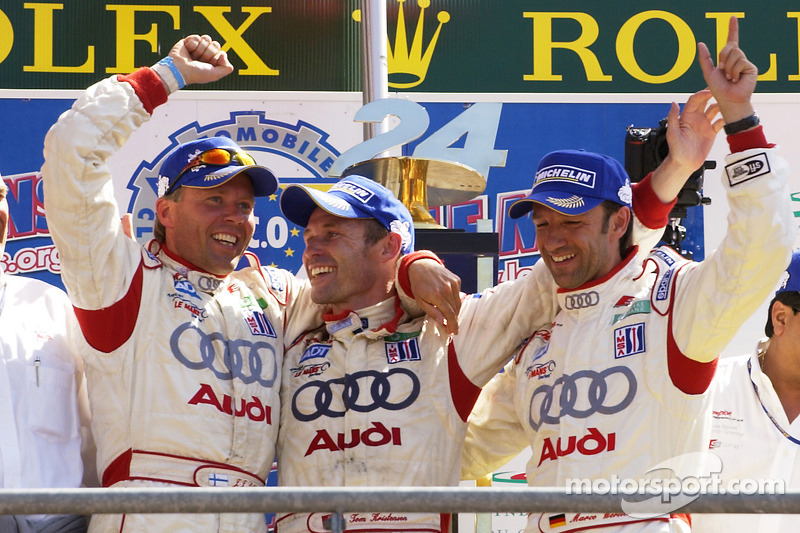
(214, 156)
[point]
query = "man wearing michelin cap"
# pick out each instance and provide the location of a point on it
(617, 387)
(376, 397)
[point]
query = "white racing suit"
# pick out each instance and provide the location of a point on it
(183, 367)
(757, 445)
(376, 398)
(619, 383)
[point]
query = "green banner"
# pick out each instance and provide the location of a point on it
(513, 46)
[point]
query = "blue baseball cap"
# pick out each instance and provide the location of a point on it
(353, 197)
(574, 181)
(210, 162)
(790, 280)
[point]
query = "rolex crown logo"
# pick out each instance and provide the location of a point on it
(407, 68)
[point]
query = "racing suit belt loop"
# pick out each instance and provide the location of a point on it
(178, 470)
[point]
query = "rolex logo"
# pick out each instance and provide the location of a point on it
(407, 68)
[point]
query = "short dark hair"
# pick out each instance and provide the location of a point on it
(159, 231)
(374, 231)
(626, 241)
(788, 298)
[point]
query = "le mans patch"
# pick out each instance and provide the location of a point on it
(747, 169)
(629, 340)
(404, 350)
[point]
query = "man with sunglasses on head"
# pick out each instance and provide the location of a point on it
(183, 352)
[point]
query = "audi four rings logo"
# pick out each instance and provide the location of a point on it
(581, 300)
(261, 364)
(333, 398)
(582, 394)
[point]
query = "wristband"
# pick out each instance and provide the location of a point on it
(740, 125)
(168, 72)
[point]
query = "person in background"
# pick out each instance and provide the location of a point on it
(45, 440)
(617, 386)
(754, 428)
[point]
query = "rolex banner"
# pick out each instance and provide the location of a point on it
(445, 46)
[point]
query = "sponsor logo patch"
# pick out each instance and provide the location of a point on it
(181, 302)
(259, 324)
(747, 169)
(663, 286)
(314, 369)
(275, 280)
(361, 194)
(581, 300)
(629, 340)
(642, 307)
(570, 174)
(342, 324)
(406, 350)
(541, 370)
(184, 285)
(664, 256)
(315, 351)
(625, 301)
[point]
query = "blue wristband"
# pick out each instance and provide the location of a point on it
(167, 62)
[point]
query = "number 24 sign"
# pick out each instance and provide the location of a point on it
(474, 130)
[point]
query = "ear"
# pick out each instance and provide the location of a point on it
(779, 314)
(165, 212)
(618, 223)
(391, 245)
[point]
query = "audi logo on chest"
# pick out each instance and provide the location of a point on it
(582, 300)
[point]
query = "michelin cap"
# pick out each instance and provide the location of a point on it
(353, 197)
(206, 175)
(790, 280)
(574, 181)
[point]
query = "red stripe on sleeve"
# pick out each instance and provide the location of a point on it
(688, 375)
(463, 391)
(107, 329)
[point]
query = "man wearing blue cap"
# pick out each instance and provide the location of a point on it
(755, 430)
(182, 353)
(376, 397)
(617, 387)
